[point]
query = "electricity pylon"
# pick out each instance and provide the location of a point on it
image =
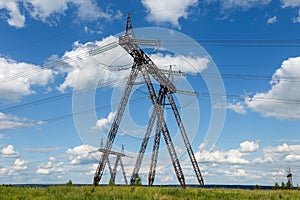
(119, 155)
(144, 65)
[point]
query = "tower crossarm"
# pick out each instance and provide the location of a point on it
(115, 125)
(113, 152)
(176, 73)
(140, 57)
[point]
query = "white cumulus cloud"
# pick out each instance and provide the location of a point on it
(297, 19)
(104, 123)
(280, 153)
(290, 3)
(81, 154)
(19, 164)
(272, 20)
(43, 9)
(185, 64)
(248, 147)
(8, 151)
(281, 101)
(233, 156)
(86, 72)
(15, 18)
(244, 4)
(13, 122)
(168, 11)
(50, 167)
(238, 107)
(50, 11)
(14, 86)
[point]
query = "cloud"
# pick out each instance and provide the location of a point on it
(233, 156)
(238, 107)
(292, 158)
(168, 11)
(12, 171)
(81, 154)
(104, 123)
(43, 10)
(281, 101)
(51, 11)
(185, 64)
(82, 71)
(290, 3)
(244, 4)
(235, 172)
(15, 18)
(8, 122)
(14, 86)
(248, 147)
(95, 69)
(272, 20)
(297, 19)
(86, 10)
(19, 164)
(50, 167)
(280, 153)
(44, 149)
(8, 152)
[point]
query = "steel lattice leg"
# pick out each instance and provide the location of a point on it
(186, 140)
(115, 125)
(164, 129)
(143, 148)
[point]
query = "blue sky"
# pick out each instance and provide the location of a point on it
(44, 63)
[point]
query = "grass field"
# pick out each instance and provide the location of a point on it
(144, 193)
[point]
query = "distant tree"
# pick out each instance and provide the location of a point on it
(288, 185)
(69, 183)
(282, 186)
(111, 182)
(276, 186)
(257, 187)
(138, 181)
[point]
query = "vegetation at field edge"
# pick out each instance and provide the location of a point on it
(135, 192)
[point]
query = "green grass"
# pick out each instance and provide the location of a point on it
(143, 193)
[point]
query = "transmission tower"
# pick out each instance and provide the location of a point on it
(144, 65)
(119, 155)
(290, 178)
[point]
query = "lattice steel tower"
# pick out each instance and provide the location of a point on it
(144, 65)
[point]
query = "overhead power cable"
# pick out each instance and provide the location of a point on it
(61, 62)
(233, 43)
(70, 115)
(114, 83)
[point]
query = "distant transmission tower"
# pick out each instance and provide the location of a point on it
(119, 155)
(290, 178)
(144, 65)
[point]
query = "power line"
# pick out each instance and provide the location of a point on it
(112, 83)
(102, 49)
(70, 115)
(60, 96)
(233, 43)
(60, 62)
